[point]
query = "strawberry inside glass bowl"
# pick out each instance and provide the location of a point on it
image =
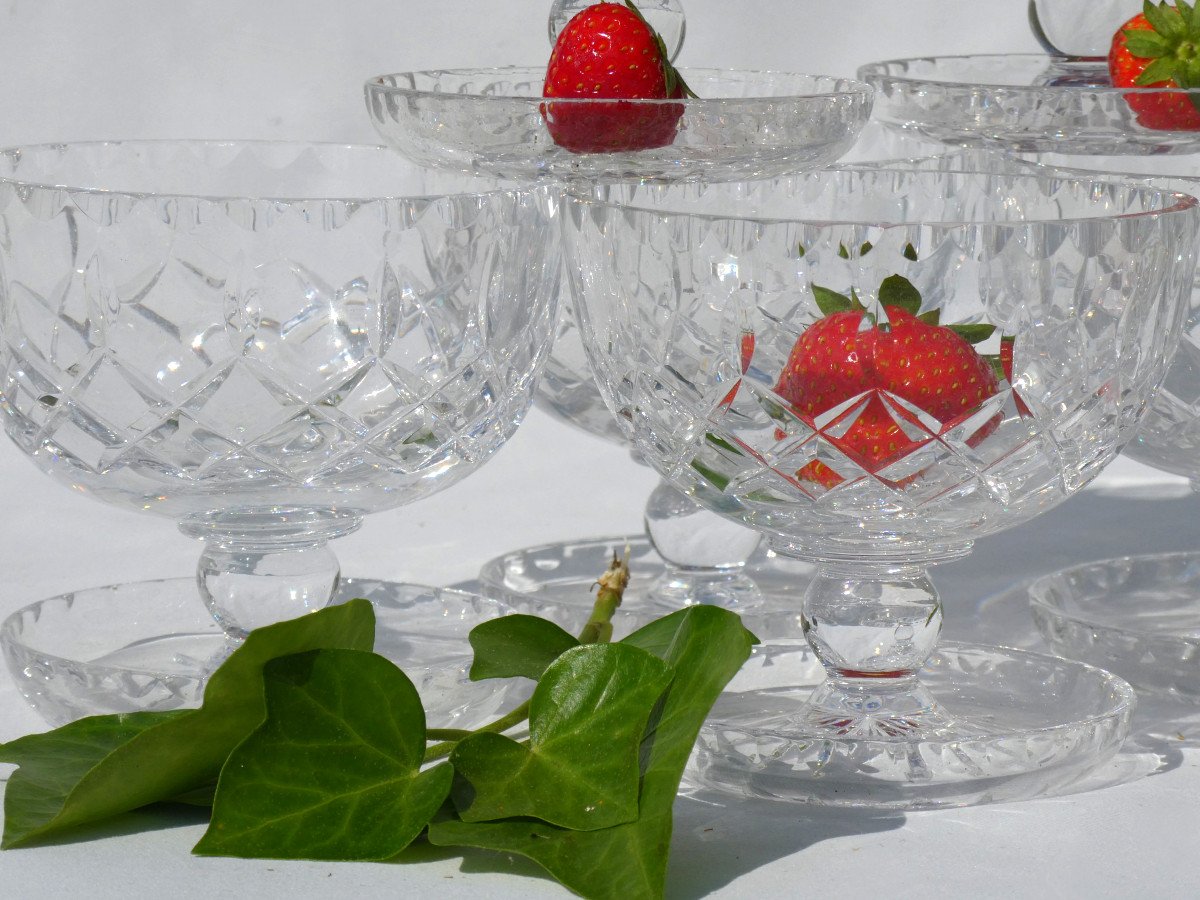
(935, 356)
(1027, 103)
(494, 121)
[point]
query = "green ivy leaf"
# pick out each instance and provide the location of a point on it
(517, 646)
(104, 765)
(335, 770)
(580, 768)
(705, 646)
(896, 290)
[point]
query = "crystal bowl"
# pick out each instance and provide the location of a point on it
(699, 307)
(1135, 615)
(1020, 102)
(265, 341)
(746, 125)
(1089, 279)
(149, 646)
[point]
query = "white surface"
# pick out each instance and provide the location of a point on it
(230, 68)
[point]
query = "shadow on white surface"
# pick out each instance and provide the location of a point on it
(718, 839)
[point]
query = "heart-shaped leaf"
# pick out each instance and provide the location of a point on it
(580, 769)
(335, 770)
(705, 646)
(104, 765)
(517, 645)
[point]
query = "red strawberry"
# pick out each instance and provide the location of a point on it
(845, 355)
(1160, 47)
(609, 51)
(747, 353)
(1006, 366)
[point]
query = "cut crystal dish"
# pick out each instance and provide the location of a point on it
(1021, 102)
(965, 735)
(1137, 616)
(493, 122)
(150, 646)
(562, 574)
(1082, 284)
(265, 341)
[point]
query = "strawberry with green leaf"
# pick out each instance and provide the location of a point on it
(609, 51)
(1160, 48)
(849, 353)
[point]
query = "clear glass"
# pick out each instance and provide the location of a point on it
(1137, 616)
(707, 556)
(150, 646)
(265, 341)
(746, 125)
(964, 734)
(1082, 28)
(1089, 279)
(665, 16)
(562, 575)
(1021, 102)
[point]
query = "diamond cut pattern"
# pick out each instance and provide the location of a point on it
(1090, 297)
(218, 353)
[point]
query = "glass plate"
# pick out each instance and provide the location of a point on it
(149, 645)
(1033, 723)
(745, 125)
(562, 575)
(1020, 102)
(1138, 616)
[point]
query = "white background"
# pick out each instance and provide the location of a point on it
(268, 68)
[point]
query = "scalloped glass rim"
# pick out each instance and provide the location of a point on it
(735, 205)
(489, 120)
(1092, 613)
(381, 164)
(150, 644)
(534, 77)
(965, 99)
(867, 71)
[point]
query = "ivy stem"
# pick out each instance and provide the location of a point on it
(598, 630)
(446, 734)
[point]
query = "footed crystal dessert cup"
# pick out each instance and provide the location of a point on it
(265, 341)
(692, 299)
(743, 124)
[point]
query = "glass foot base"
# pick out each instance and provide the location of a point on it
(983, 724)
(151, 645)
(767, 592)
(1138, 616)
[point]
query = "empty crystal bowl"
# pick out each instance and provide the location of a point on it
(1134, 615)
(265, 341)
(745, 124)
(696, 303)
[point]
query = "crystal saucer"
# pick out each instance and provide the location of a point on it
(745, 125)
(561, 574)
(996, 709)
(1135, 615)
(1021, 102)
(148, 646)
